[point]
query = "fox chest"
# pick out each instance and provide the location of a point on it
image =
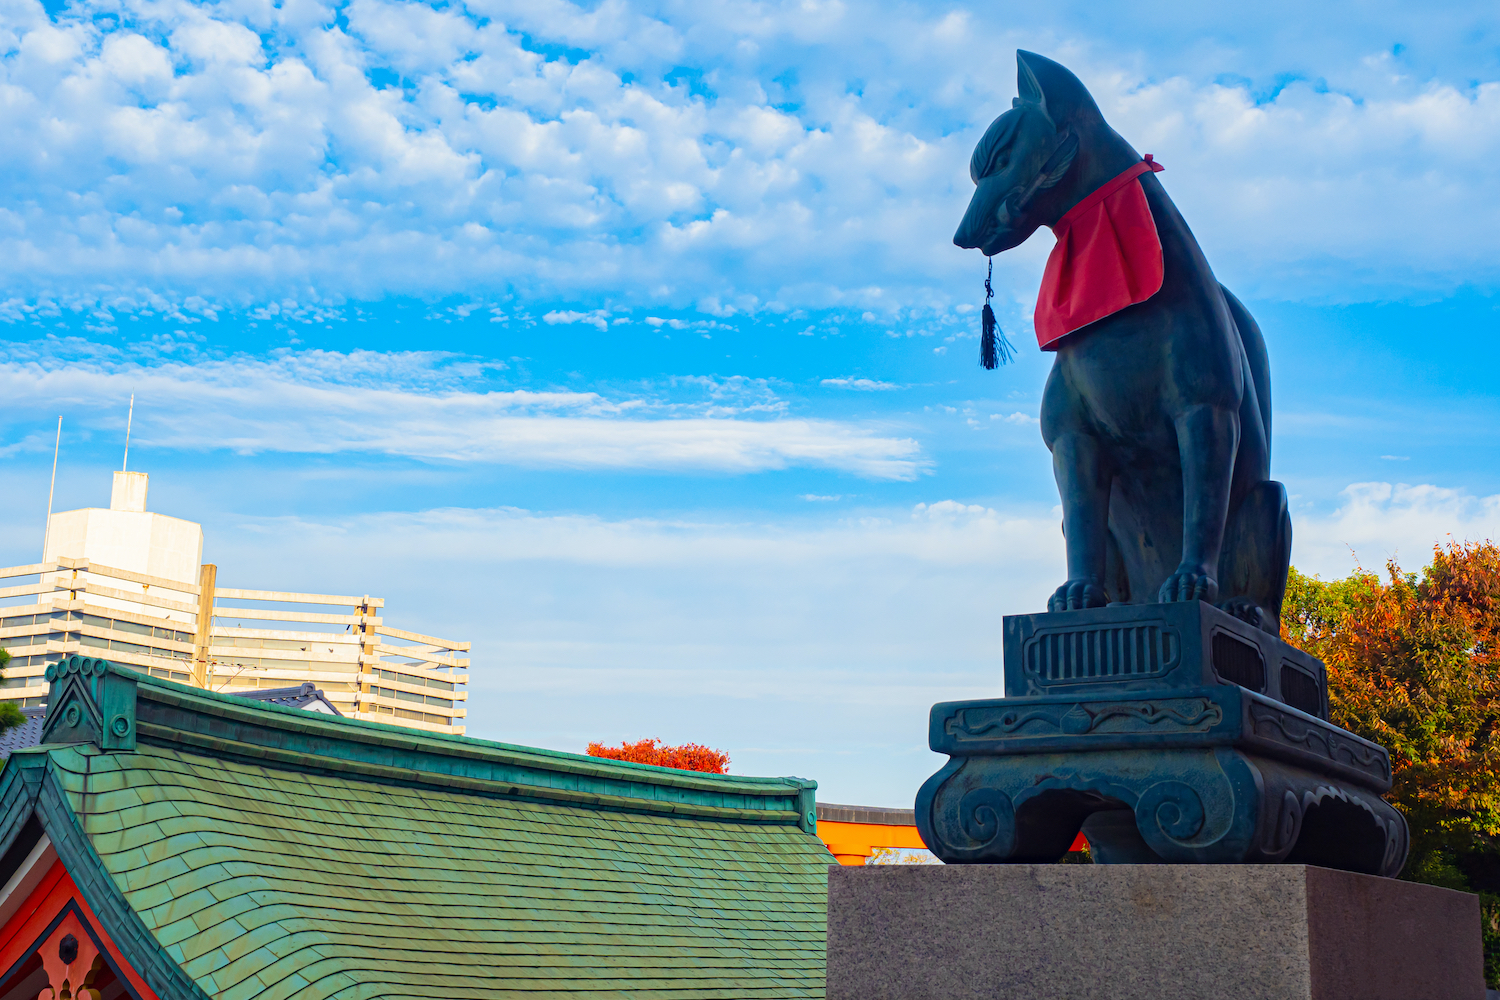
(1130, 383)
(1115, 389)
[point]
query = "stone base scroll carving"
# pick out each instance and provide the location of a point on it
(1187, 769)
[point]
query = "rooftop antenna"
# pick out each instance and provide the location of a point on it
(47, 531)
(128, 418)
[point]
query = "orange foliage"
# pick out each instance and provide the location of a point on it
(1414, 664)
(687, 757)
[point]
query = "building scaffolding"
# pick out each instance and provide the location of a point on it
(367, 669)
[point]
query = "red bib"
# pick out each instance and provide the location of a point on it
(1107, 257)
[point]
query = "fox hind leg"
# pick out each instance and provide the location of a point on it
(1116, 577)
(1256, 555)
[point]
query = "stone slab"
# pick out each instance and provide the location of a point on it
(1146, 932)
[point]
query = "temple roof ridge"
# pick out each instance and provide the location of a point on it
(229, 848)
(168, 713)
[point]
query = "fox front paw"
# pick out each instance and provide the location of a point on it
(1075, 595)
(1189, 583)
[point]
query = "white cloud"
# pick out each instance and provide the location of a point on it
(863, 384)
(714, 156)
(1380, 521)
(1326, 194)
(598, 319)
(419, 405)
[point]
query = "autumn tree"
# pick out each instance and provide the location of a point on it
(686, 757)
(1414, 664)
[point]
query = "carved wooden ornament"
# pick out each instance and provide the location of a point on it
(72, 962)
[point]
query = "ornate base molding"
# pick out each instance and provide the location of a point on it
(1181, 766)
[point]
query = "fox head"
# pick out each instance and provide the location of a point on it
(1038, 159)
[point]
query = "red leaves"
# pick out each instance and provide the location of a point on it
(687, 757)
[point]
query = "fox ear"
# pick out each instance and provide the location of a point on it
(1054, 87)
(1027, 84)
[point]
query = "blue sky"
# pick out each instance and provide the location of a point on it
(628, 340)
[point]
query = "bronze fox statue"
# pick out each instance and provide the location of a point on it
(1158, 416)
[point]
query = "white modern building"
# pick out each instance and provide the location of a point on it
(129, 584)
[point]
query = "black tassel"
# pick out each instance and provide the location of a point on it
(994, 349)
(987, 358)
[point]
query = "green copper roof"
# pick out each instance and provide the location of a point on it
(262, 852)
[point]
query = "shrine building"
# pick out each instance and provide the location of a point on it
(167, 842)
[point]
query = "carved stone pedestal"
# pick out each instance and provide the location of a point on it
(1166, 733)
(1146, 932)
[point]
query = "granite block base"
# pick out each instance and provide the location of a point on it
(1146, 932)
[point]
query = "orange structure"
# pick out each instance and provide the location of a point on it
(852, 833)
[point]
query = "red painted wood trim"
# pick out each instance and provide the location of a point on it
(25, 918)
(28, 927)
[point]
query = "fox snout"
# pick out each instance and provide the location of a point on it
(980, 221)
(988, 224)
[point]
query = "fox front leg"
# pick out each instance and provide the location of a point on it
(1083, 481)
(1207, 439)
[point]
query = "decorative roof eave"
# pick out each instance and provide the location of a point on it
(122, 705)
(30, 786)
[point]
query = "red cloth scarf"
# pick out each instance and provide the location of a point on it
(1107, 257)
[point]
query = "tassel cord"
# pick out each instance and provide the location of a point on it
(994, 349)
